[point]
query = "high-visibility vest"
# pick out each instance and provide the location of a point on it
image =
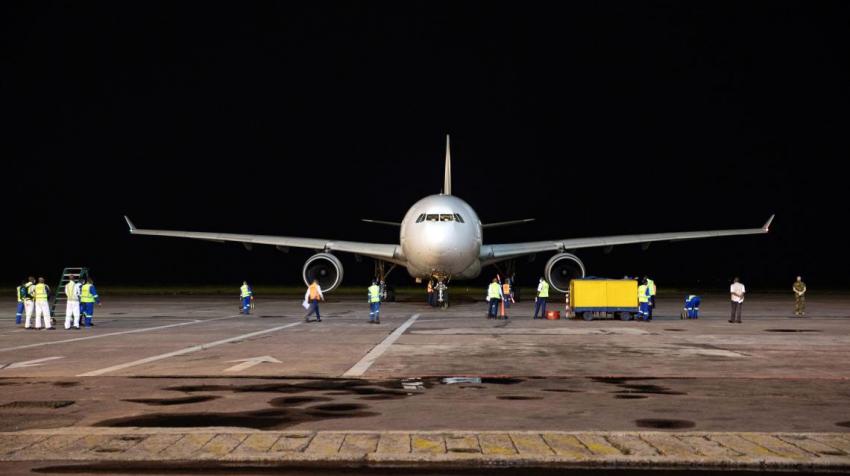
(314, 292)
(246, 292)
(40, 292)
(69, 291)
(29, 287)
(430, 287)
(643, 295)
(21, 293)
(493, 291)
(650, 284)
(374, 293)
(506, 289)
(86, 295)
(544, 289)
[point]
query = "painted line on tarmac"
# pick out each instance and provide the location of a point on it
(187, 350)
(110, 334)
(361, 367)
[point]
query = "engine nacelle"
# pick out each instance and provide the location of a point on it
(562, 268)
(324, 267)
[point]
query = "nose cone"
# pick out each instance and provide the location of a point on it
(442, 248)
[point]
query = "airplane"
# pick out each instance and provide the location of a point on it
(441, 238)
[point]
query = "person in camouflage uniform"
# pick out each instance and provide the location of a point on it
(799, 297)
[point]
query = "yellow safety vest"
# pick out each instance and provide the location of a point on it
(374, 293)
(28, 287)
(651, 285)
(40, 291)
(86, 295)
(244, 290)
(18, 293)
(544, 289)
(493, 291)
(642, 293)
(69, 291)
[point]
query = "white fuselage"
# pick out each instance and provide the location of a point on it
(441, 237)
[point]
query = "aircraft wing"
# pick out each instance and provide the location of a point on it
(386, 252)
(494, 253)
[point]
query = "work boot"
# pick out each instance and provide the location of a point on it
(318, 319)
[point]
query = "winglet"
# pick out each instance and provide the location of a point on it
(447, 179)
(130, 224)
(766, 226)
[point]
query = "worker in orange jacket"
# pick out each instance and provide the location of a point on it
(312, 297)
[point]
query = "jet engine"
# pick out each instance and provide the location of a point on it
(324, 267)
(561, 268)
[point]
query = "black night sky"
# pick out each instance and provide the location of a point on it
(300, 118)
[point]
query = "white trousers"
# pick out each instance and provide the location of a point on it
(42, 308)
(72, 309)
(28, 308)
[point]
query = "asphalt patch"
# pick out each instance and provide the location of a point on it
(54, 404)
(845, 424)
(630, 397)
(792, 330)
(265, 419)
(561, 390)
(172, 401)
(292, 401)
(65, 384)
(501, 380)
(663, 424)
(518, 397)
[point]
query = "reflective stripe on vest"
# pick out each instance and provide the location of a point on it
(374, 293)
(244, 290)
(544, 289)
(40, 291)
(86, 295)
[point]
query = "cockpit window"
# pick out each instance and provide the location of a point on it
(442, 217)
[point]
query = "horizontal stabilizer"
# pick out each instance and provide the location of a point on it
(130, 224)
(507, 223)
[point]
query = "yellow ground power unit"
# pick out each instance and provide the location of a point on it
(590, 297)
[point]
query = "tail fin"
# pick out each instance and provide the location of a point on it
(447, 179)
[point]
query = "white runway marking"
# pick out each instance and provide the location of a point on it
(361, 367)
(29, 363)
(198, 321)
(187, 350)
(248, 363)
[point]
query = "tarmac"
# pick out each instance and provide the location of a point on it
(183, 379)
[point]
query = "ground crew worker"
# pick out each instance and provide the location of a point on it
(506, 299)
(691, 310)
(246, 294)
(431, 293)
(737, 290)
(373, 297)
(73, 290)
(494, 296)
(88, 296)
(540, 300)
(312, 297)
(650, 287)
(799, 288)
(21, 295)
(643, 302)
(29, 306)
(41, 292)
